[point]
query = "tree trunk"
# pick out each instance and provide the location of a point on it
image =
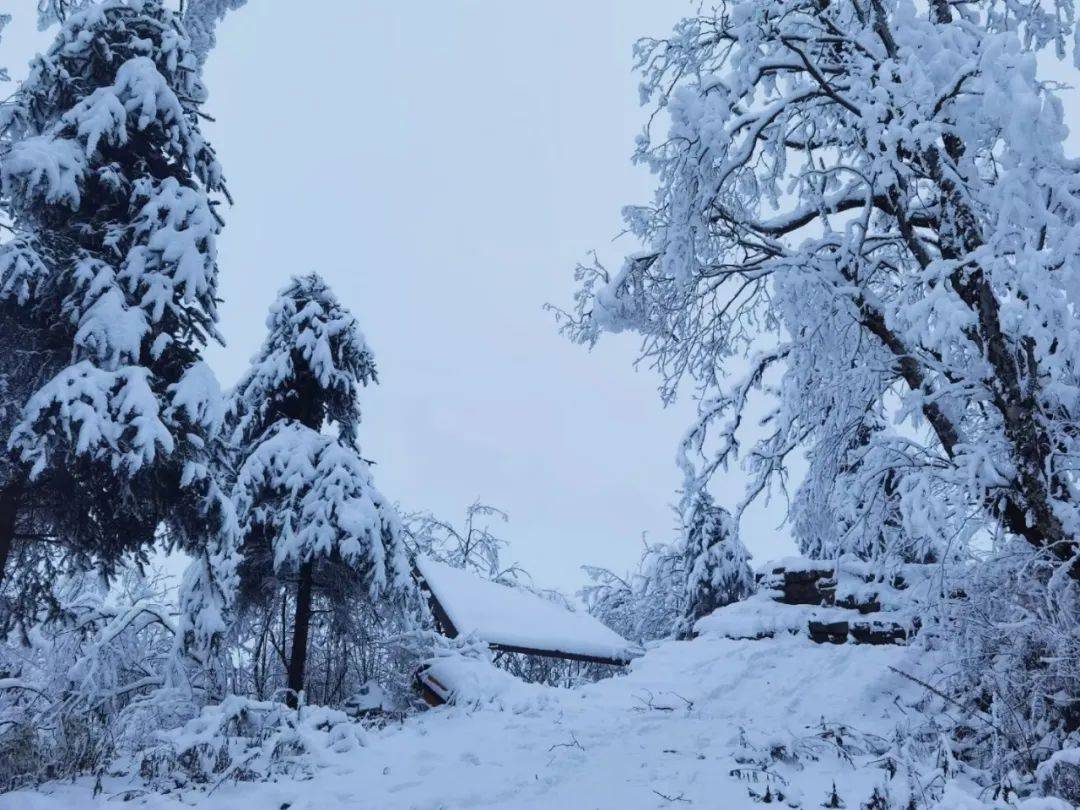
(1027, 510)
(10, 497)
(301, 625)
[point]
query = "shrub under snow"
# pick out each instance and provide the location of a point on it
(243, 739)
(93, 683)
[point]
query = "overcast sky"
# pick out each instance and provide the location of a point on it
(444, 165)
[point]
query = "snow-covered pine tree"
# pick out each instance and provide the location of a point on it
(108, 293)
(308, 507)
(716, 563)
(200, 18)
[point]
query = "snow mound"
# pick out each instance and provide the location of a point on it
(758, 617)
(473, 681)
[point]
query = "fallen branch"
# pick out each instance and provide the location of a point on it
(649, 704)
(966, 709)
(572, 744)
(666, 798)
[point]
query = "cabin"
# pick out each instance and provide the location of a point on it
(511, 620)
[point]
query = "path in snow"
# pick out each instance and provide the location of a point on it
(667, 735)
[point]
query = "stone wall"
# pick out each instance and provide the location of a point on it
(858, 613)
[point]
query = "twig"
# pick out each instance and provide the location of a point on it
(689, 703)
(666, 798)
(572, 744)
(966, 709)
(236, 766)
(650, 705)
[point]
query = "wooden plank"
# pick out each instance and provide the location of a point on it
(589, 659)
(442, 618)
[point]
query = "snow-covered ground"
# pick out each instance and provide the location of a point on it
(688, 726)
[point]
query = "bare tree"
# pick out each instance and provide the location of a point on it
(473, 545)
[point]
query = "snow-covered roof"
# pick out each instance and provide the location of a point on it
(515, 619)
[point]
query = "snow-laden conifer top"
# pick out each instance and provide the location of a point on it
(313, 344)
(295, 416)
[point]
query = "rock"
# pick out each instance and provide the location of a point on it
(860, 613)
(871, 632)
(879, 633)
(869, 604)
(803, 586)
(832, 632)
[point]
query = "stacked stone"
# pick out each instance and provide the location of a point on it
(813, 582)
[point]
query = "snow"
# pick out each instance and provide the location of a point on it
(318, 496)
(1067, 756)
(201, 18)
(173, 261)
(690, 719)
(109, 331)
(106, 414)
(760, 616)
(794, 564)
(514, 617)
(51, 167)
(21, 270)
(468, 681)
(308, 332)
(369, 697)
(890, 358)
(197, 397)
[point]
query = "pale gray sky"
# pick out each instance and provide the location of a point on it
(444, 165)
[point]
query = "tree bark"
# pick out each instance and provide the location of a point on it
(1045, 531)
(10, 498)
(1012, 386)
(301, 626)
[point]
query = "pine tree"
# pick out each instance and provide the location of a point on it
(200, 18)
(309, 511)
(716, 562)
(108, 294)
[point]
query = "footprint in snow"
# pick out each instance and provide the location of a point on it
(403, 786)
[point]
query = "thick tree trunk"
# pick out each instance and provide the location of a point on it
(1028, 510)
(301, 626)
(10, 498)
(1014, 509)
